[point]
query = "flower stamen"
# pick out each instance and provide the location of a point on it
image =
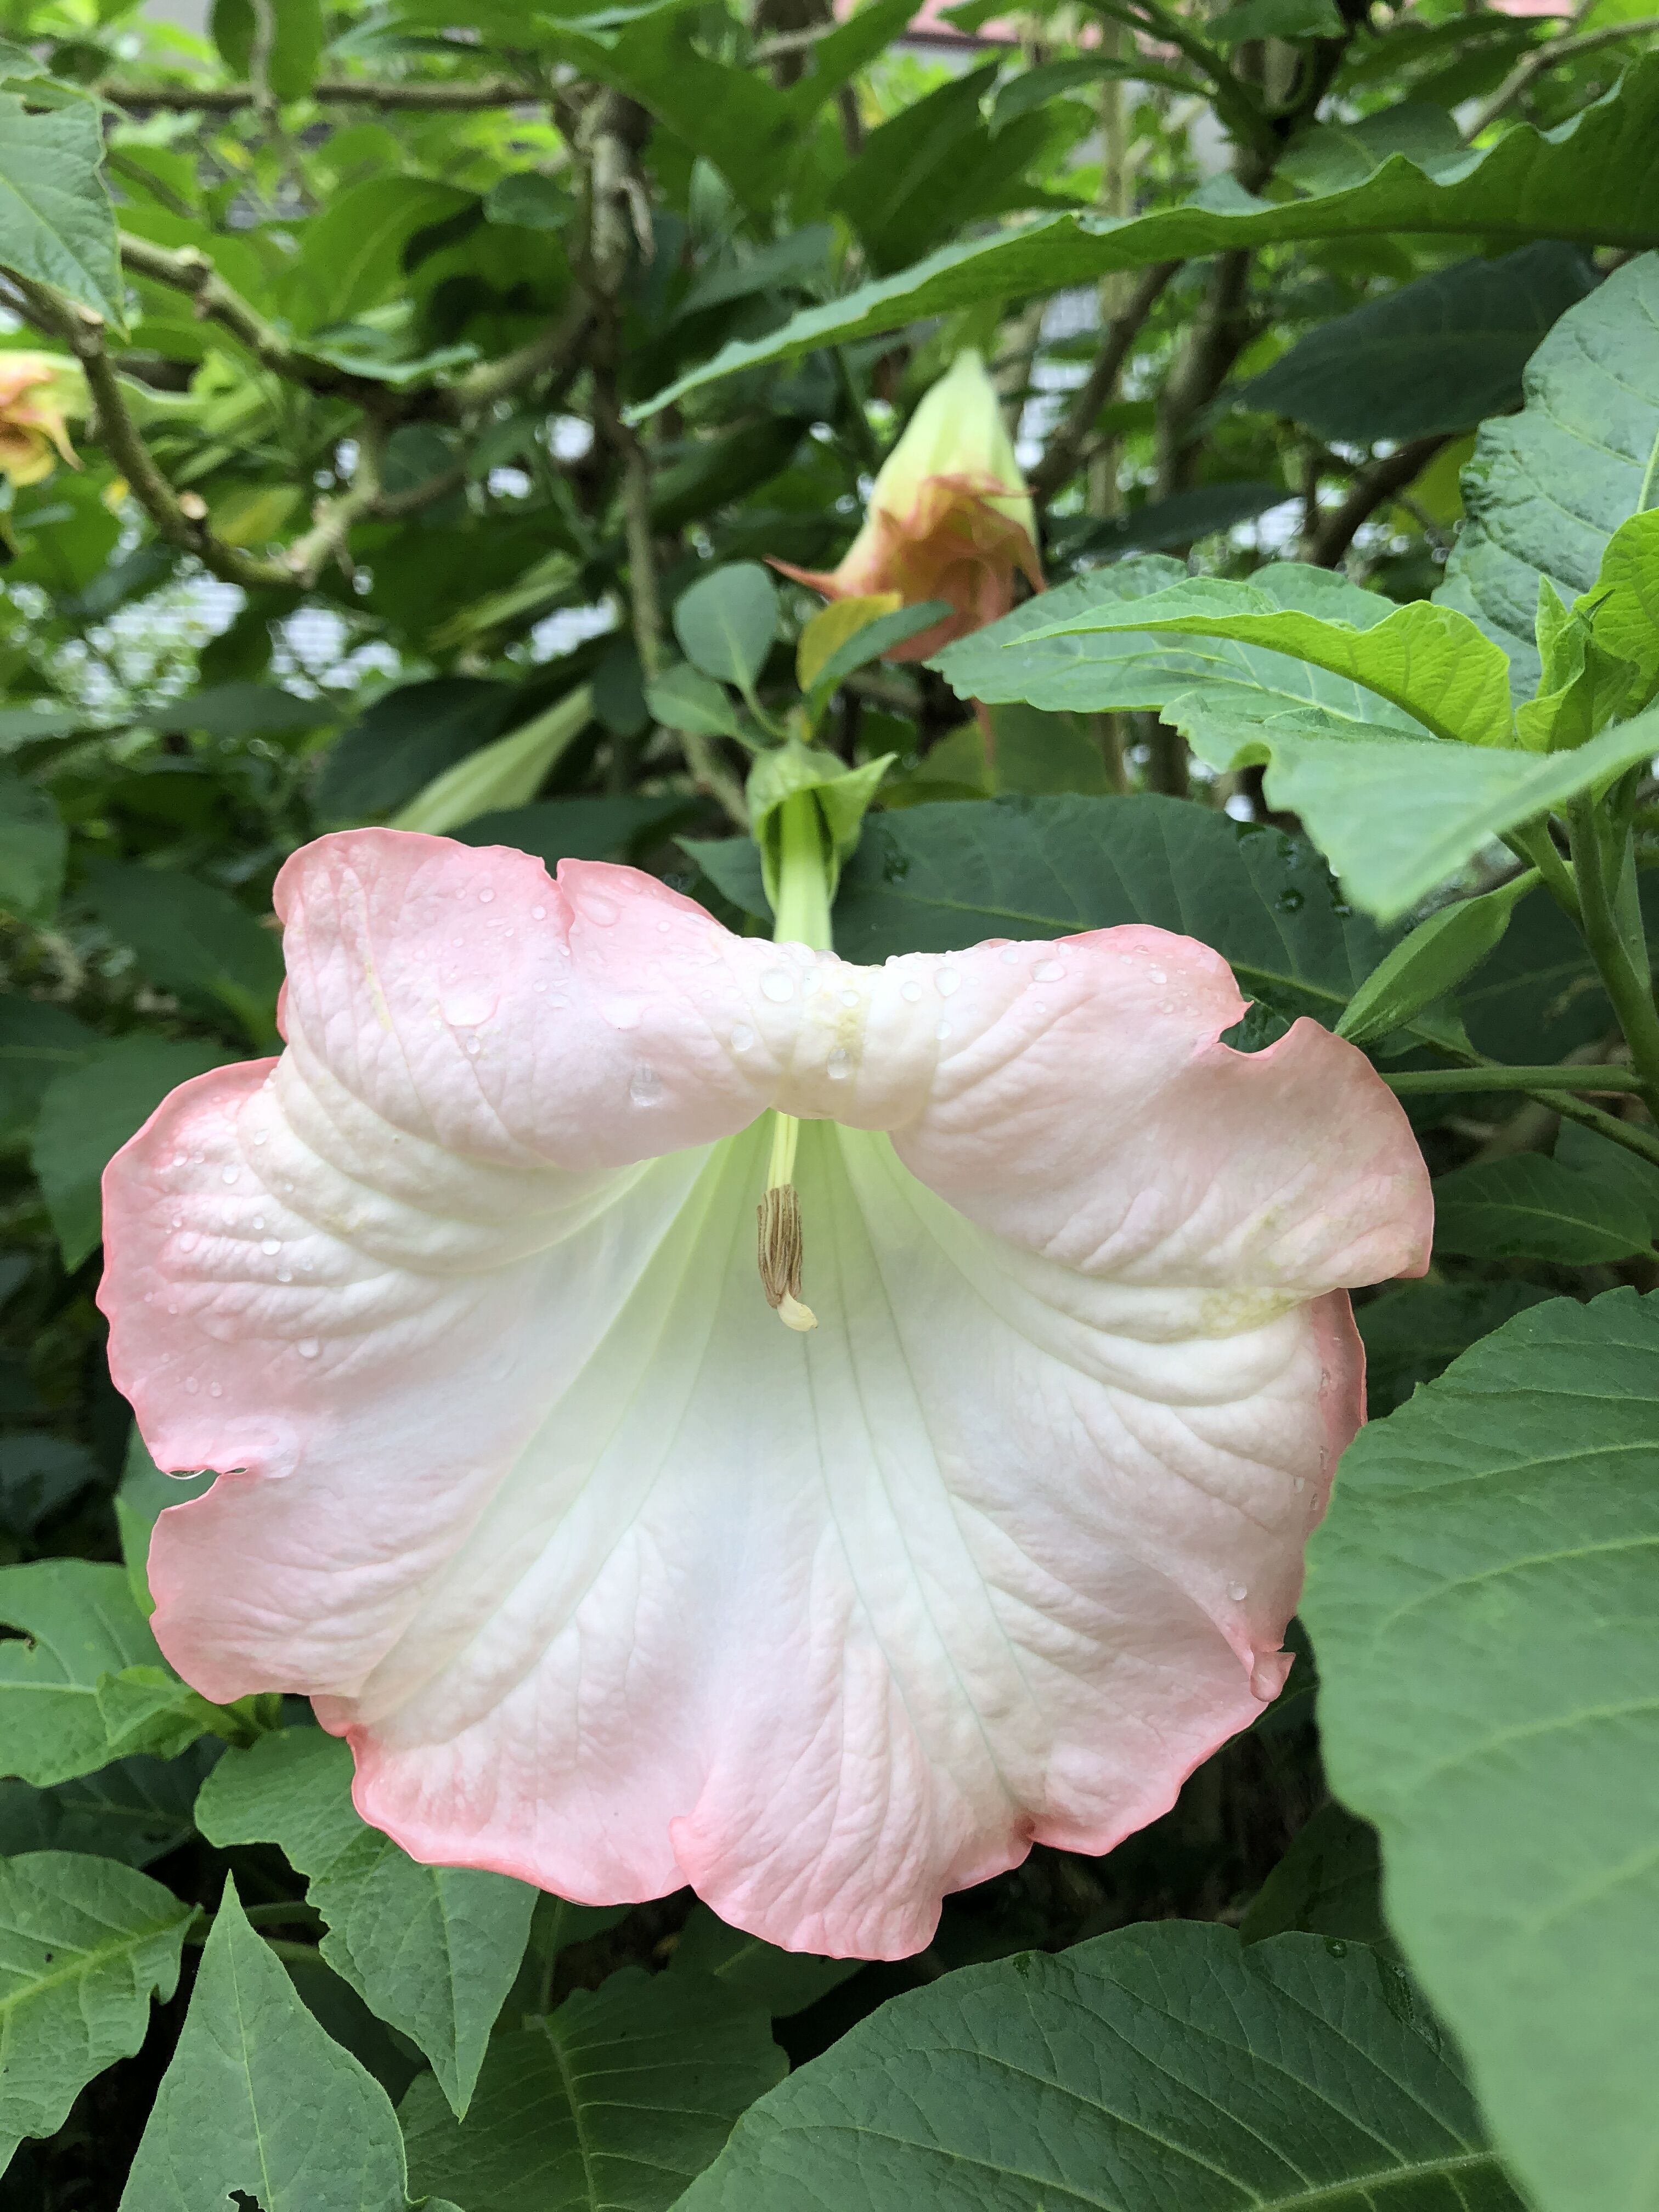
(779, 1243)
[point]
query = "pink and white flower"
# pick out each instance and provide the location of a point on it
(613, 1582)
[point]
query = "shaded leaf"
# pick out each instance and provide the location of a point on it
(78, 1624)
(194, 940)
(784, 1982)
(56, 225)
(1328, 1883)
(34, 847)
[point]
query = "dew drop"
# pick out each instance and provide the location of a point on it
(172, 1310)
(839, 1064)
(540, 988)
(742, 1038)
(191, 1385)
(941, 1031)
(1009, 955)
(810, 982)
(484, 897)
(1238, 1592)
(464, 1009)
(149, 1297)
(1336, 1947)
(558, 1005)
(777, 984)
(663, 928)
(910, 991)
(1299, 1483)
(270, 1247)
(599, 911)
(262, 1139)
(285, 1274)
(473, 1048)
(849, 998)
(1048, 971)
(309, 1348)
(538, 913)
(947, 981)
(1156, 974)
(231, 1175)
(647, 1088)
(1290, 901)
(259, 1221)
(178, 1220)
(215, 1390)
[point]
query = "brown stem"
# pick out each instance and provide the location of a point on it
(1371, 488)
(1213, 344)
(1543, 59)
(331, 92)
(1066, 445)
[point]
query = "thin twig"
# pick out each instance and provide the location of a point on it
(330, 92)
(1065, 449)
(1372, 488)
(1541, 59)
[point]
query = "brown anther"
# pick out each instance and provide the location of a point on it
(780, 1257)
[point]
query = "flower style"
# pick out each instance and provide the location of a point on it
(613, 1582)
(37, 392)
(950, 517)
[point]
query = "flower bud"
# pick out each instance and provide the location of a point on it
(950, 517)
(37, 392)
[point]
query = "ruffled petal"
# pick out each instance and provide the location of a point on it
(612, 1582)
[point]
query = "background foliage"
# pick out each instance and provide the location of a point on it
(439, 373)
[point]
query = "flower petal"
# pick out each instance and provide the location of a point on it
(613, 1582)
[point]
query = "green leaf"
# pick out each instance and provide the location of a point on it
(351, 254)
(194, 940)
(149, 1709)
(683, 698)
(39, 1474)
(134, 1810)
(56, 225)
(1158, 2069)
(1414, 1332)
(1595, 179)
(1623, 603)
(870, 642)
(1161, 524)
(1431, 663)
(34, 847)
(784, 1982)
(726, 621)
(78, 1624)
(1277, 19)
(406, 738)
(617, 2099)
(37, 1040)
(433, 1950)
(291, 67)
(935, 879)
(1527, 1207)
(1547, 488)
(1438, 355)
(505, 773)
(84, 1944)
(1326, 1884)
(1434, 957)
(1483, 1600)
(257, 2099)
(586, 828)
(144, 1495)
(840, 798)
(88, 1114)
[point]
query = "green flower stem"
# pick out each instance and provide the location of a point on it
(1513, 1078)
(1598, 866)
(1532, 843)
(802, 914)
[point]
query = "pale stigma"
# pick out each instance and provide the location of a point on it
(779, 1240)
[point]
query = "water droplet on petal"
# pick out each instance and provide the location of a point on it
(647, 1087)
(231, 1175)
(663, 928)
(191, 1385)
(285, 1274)
(309, 1348)
(1009, 955)
(839, 1064)
(947, 981)
(538, 913)
(910, 991)
(742, 1036)
(262, 1139)
(777, 984)
(259, 1221)
(1238, 1592)
(172, 1310)
(849, 998)
(484, 897)
(215, 1390)
(599, 910)
(464, 1009)
(1048, 971)
(473, 1048)
(941, 1031)
(1300, 1482)
(270, 1247)
(178, 1220)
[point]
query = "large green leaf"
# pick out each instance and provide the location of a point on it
(34, 847)
(78, 1624)
(1548, 486)
(193, 938)
(1165, 2068)
(135, 1810)
(1431, 662)
(1594, 178)
(610, 2104)
(406, 738)
(1438, 355)
(433, 1950)
(351, 253)
(258, 2100)
(1527, 1207)
(84, 1943)
(784, 1982)
(1326, 1884)
(37, 1040)
(1485, 1599)
(1414, 1332)
(56, 225)
(88, 1114)
(935, 879)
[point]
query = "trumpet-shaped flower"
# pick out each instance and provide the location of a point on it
(37, 391)
(950, 517)
(613, 1582)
